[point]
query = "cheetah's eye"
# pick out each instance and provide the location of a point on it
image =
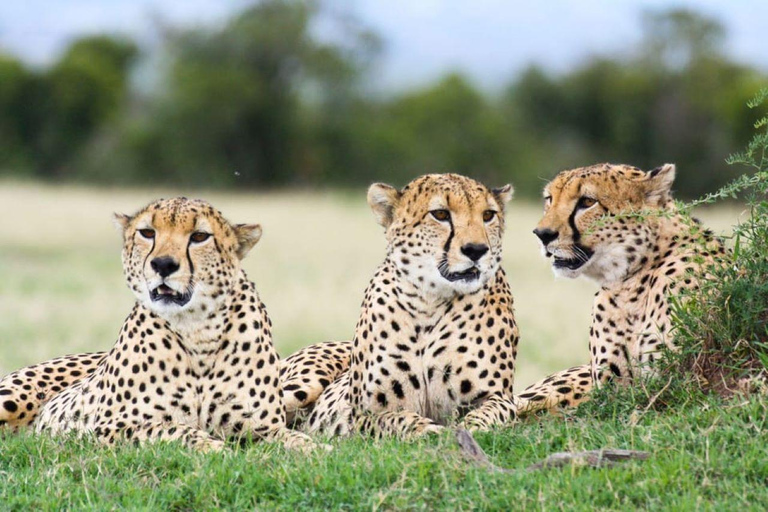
(488, 215)
(587, 202)
(199, 237)
(547, 201)
(441, 215)
(149, 234)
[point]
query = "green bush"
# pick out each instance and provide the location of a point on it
(721, 328)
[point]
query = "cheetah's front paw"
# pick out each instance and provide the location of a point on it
(474, 423)
(303, 443)
(428, 429)
(210, 445)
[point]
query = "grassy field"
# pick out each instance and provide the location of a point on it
(701, 459)
(62, 291)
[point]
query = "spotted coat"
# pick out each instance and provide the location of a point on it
(436, 339)
(619, 226)
(194, 360)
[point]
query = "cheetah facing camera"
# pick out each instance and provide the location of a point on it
(617, 225)
(194, 360)
(436, 336)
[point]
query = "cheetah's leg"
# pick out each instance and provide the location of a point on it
(495, 411)
(25, 391)
(332, 412)
(160, 431)
(293, 440)
(305, 374)
(402, 424)
(567, 388)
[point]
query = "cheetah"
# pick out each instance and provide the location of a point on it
(303, 376)
(306, 373)
(618, 226)
(194, 360)
(24, 391)
(436, 339)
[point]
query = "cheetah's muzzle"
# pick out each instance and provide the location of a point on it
(168, 295)
(583, 255)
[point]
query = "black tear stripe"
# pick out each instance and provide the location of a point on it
(576, 234)
(447, 245)
(572, 223)
(189, 260)
(189, 242)
(450, 223)
(151, 250)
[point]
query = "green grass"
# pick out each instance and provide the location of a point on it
(707, 458)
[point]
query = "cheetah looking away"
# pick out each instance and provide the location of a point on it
(618, 226)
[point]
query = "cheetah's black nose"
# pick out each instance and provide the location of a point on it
(164, 266)
(546, 235)
(474, 251)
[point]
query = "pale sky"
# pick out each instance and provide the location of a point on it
(491, 40)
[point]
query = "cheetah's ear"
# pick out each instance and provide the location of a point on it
(247, 236)
(503, 194)
(121, 221)
(659, 185)
(383, 199)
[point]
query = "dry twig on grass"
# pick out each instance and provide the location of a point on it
(591, 458)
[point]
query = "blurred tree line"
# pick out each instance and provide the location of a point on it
(263, 101)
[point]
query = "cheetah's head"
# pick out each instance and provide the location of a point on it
(181, 257)
(444, 231)
(596, 219)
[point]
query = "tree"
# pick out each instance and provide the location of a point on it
(17, 114)
(677, 38)
(238, 102)
(677, 100)
(80, 93)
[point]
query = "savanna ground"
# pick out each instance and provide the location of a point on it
(62, 291)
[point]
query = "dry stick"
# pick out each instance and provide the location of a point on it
(635, 417)
(656, 396)
(591, 458)
(472, 451)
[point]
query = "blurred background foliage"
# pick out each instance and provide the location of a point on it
(261, 101)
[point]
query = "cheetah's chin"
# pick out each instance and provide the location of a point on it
(469, 275)
(568, 263)
(167, 295)
(581, 256)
